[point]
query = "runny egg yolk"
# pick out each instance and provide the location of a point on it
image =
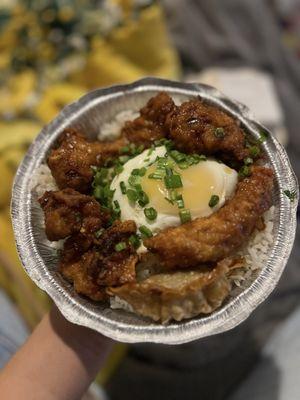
(199, 183)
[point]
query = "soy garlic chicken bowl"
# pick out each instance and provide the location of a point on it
(156, 211)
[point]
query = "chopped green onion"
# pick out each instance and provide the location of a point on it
(291, 195)
(156, 175)
(135, 241)
(145, 231)
(173, 182)
(248, 161)
(185, 216)
(177, 156)
(118, 169)
(142, 171)
(133, 180)
(214, 200)
(219, 133)
(98, 192)
(116, 204)
(179, 201)
(254, 151)
(244, 171)
(150, 213)
(263, 137)
(135, 171)
(138, 187)
(139, 149)
(169, 171)
(120, 246)
(150, 151)
(183, 165)
(124, 149)
(123, 159)
(99, 233)
(147, 159)
(123, 187)
(173, 195)
(143, 198)
(132, 195)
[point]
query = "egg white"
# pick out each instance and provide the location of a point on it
(227, 184)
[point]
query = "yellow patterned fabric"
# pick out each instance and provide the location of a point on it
(48, 58)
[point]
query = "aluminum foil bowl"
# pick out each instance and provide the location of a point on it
(39, 260)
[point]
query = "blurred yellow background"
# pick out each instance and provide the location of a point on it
(51, 53)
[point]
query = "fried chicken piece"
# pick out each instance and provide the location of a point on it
(178, 295)
(84, 283)
(150, 125)
(70, 163)
(116, 267)
(68, 212)
(92, 264)
(196, 127)
(212, 238)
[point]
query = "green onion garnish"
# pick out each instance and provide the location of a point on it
(123, 187)
(248, 161)
(135, 241)
(145, 231)
(135, 171)
(185, 216)
(118, 169)
(254, 151)
(133, 180)
(177, 156)
(97, 192)
(214, 200)
(132, 195)
(173, 181)
(150, 213)
(183, 165)
(179, 201)
(263, 137)
(219, 133)
(291, 195)
(99, 232)
(124, 149)
(143, 198)
(123, 159)
(142, 171)
(244, 171)
(120, 246)
(156, 175)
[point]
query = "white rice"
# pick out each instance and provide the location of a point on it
(255, 253)
(112, 130)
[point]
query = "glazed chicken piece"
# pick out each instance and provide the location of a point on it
(212, 238)
(196, 127)
(150, 125)
(92, 264)
(178, 295)
(70, 163)
(68, 212)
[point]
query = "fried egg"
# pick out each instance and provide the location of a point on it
(200, 182)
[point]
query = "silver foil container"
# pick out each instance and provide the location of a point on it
(40, 260)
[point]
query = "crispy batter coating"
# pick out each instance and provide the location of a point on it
(150, 125)
(68, 212)
(70, 163)
(84, 282)
(178, 295)
(217, 236)
(197, 127)
(93, 263)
